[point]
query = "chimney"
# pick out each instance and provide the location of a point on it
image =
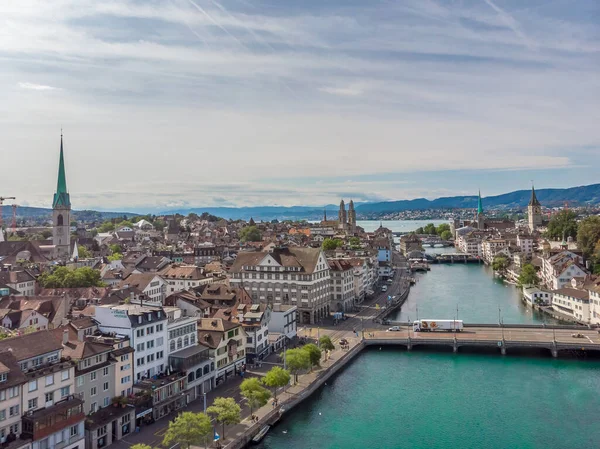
(65, 339)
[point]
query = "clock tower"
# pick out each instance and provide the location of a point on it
(61, 212)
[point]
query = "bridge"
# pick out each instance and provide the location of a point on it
(436, 241)
(457, 258)
(555, 339)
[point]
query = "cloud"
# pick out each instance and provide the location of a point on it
(32, 86)
(250, 102)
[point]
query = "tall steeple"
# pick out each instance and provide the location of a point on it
(61, 197)
(342, 217)
(479, 204)
(534, 212)
(61, 212)
(351, 217)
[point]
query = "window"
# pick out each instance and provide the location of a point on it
(140, 361)
(14, 428)
(159, 355)
(126, 379)
(93, 391)
(150, 358)
(14, 410)
(139, 333)
(44, 444)
(105, 371)
(58, 437)
(64, 391)
(159, 327)
(140, 347)
(160, 341)
(65, 374)
(49, 396)
(124, 357)
(150, 344)
(50, 379)
(93, 376)
(3, 395)
(14, 392)
(33, 385)
(106, 402)
(193, 338)
(80, 381)
(105, 386)
(149, 329)
(32, 403)
(3, 377)
(125, 367)
(74, 430)
(179, 343)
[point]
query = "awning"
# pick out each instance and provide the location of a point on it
(144, 413)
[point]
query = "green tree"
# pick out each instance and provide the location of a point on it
(331, 244)
(115, 256)
(188, 429)
(226, 412)
(314, 354)
(250, 234)
(276, 377)
(297, 360)
(63, 277)
(588, 235)
(159, 225)
(255, 394)
(562, 224)
(84, 253)
(140, 446)
(354, 241)
(124, 223)
(325, 343)
(114, 248)
(442, 228)
(528, 276)
(420, 230)
(446, 235)
(429, 229)
(107, 226)
(500, 264)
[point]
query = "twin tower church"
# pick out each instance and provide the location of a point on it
(61, 213)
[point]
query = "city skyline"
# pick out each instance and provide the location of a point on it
(186, 103)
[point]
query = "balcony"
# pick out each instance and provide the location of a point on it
(40, 423)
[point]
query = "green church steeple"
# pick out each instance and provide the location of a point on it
(479, 204)
(61, 197)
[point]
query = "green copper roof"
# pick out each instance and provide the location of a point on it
(479, 205)
(61, 197)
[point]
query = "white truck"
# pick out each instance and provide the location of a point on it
(437, 325)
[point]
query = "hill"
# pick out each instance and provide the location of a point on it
(576, 196)
(43, 212)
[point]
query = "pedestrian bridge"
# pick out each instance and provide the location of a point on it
(504, 339)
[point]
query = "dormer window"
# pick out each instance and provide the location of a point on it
(3, 377)
(149, 317)
(140, 319)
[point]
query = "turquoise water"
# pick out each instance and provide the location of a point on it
(471, 288)
(428, 400)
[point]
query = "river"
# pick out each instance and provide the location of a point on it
(427, 400)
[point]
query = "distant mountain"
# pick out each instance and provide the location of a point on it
(262, 213)
(576, 196)
(42, 212)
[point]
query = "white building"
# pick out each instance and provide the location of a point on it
(151, 284)
(593, 289)
(146, 327)
(284, 320)
(572, 302)
(525, 243)
(490, 247)
(22, 281)
(286, 275)
(343, 293)
(184, 277)
(559, 269)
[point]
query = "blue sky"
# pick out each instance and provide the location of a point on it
(245, 102)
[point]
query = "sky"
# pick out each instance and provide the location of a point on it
(190, 103)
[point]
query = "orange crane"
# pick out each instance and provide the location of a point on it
(2, 198)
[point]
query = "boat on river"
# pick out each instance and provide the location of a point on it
(261, 434)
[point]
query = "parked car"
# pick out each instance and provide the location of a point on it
(394, 329)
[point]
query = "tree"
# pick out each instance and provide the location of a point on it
(314, 354)
(159, 225)
(442, 228)
(114, 248)
(107, 226)
(446, 235)
(563, 224)
(419, 231)
(528, 276)
(276, 377)
(429, 229)
(84, 253)
(188, 429)
(124, 223)
(255, 394)
(588, 235)
(225, 411)
(500, 264)
(325, 343)
(250, 234)
(297, 360)
(331, 244)
(354, 241)
(140, 446)
(115, 256)
(63, 277)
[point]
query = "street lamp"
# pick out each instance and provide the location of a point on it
(205, 402)
(499, 323)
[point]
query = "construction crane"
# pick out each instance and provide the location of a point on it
(2, 199)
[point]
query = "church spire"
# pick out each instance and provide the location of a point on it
(479, 204)
(533, 201)
(61, 197)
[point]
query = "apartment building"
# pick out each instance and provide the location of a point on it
(286, 275)
(184, 277)
(149, 283)
(12, 380)
(53, 413)
(559, 269)
(226, 341)
(146, 328)
(343, 293)
(22, 281)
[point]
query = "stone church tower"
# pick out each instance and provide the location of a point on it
(534, 212)
(61, 212)
(342, 217)
(480, 215)
(351, 217)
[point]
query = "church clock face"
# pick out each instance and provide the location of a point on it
(59, 230)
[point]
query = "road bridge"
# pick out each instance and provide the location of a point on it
(504, 338)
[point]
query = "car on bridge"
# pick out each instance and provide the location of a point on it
(394, 329)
